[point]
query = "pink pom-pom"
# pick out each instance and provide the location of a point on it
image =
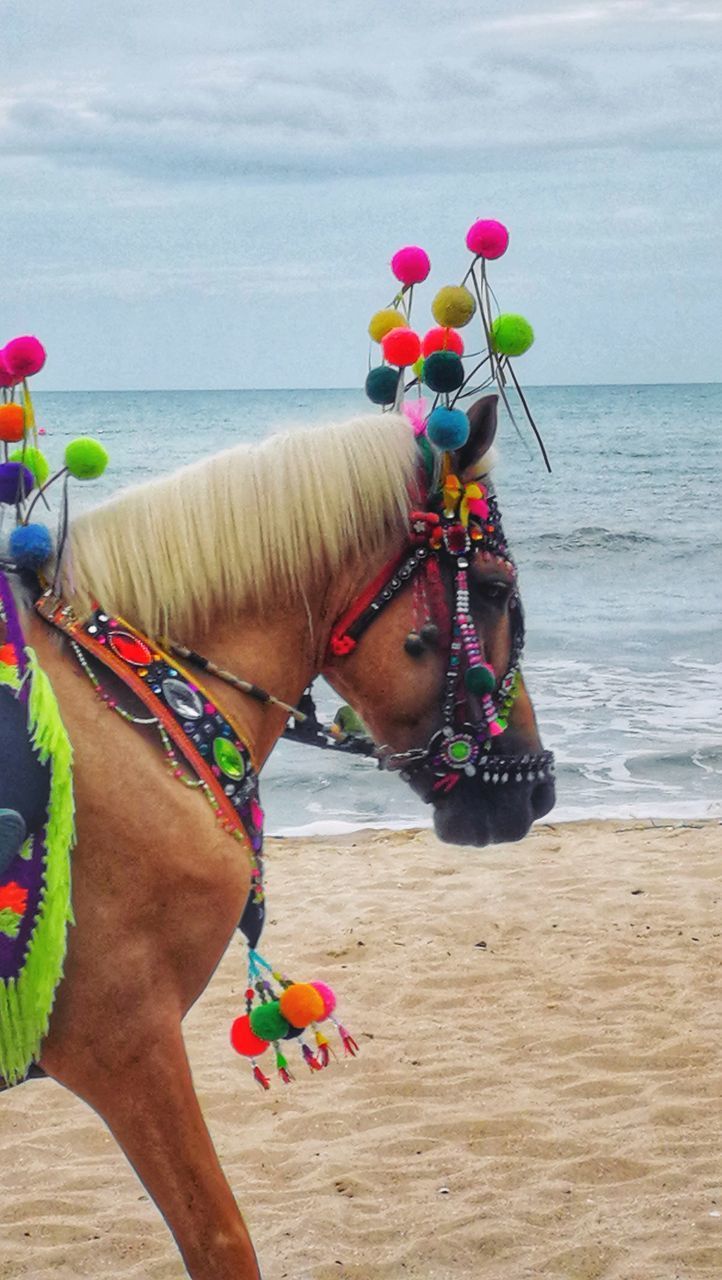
(442, 339)
(6, 378)
(411, 265)
(417, 411)
(487, 238)
(327, 995)
(23, 357)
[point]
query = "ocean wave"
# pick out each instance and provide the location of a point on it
(592, 537)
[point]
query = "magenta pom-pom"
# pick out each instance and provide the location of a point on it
(411, 265)
(487, 238)
(328, 996)
(23, 357)
(6, 378)
(442, 339)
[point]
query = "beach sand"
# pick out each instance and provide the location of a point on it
(539, 1090)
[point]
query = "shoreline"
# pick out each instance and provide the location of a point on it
(338, 829)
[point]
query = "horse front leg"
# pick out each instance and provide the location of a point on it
(148, 1101)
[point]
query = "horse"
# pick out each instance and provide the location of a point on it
(251, 557)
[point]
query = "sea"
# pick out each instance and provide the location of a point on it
(620, 559)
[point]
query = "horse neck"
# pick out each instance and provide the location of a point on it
(278, 653)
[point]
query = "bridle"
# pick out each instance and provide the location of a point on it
(476, 703)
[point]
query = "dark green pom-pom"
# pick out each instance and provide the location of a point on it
(480, 680)
(443, 371)
(268, 1022)
(382, 384)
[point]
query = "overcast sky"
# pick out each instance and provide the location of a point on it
(208, 195)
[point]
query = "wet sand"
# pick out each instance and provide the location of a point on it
(539, 1091)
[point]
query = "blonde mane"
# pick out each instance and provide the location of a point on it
(251, 527)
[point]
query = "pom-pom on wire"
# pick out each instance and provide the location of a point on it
(401, 347)
(30, 546)
(12, 423)
(23, 357)
(487, 238)
(411, 265)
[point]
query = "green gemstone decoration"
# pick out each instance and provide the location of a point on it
(460, 752)
(228, 758)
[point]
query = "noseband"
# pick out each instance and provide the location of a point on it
(475, 703)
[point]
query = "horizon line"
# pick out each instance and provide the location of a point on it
(533, 386)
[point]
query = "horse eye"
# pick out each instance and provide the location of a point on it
(492, 591)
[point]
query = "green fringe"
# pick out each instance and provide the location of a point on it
(26, 1002)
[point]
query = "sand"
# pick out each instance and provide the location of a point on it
(539, 1090)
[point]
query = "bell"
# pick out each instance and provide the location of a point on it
(430, 634)
(414, 645)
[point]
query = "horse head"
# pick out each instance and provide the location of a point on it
(429, 655)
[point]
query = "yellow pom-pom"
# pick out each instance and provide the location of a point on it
(384, 321)
(301, 1004)
(453, 306)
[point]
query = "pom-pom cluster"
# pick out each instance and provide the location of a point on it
(435, 359)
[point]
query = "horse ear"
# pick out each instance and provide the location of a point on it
(482, 418)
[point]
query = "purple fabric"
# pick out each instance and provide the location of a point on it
(13, 629)
(28, 875)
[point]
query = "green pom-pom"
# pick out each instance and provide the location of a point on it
(34, 460)
(512, 335)
(86, 459)
(268, 1022)
(382, 383)
(443, 371)
(480, 680)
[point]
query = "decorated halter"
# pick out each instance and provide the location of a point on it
(461, 521)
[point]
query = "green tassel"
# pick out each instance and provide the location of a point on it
(26, 1002)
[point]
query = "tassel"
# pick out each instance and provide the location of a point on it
(283, 1071)
(259, 1077)
(310, 1058)
(350, 1048)
(323, 1055)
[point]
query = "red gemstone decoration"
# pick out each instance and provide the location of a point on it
(129, 648)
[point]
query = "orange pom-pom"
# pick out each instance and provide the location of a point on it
(301, 1004)
(12, 423)
(401, 347)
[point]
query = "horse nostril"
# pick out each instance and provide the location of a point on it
(542, 799)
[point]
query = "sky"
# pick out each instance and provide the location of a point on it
(209, 196)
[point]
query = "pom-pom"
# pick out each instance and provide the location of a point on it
(301, 1004)
(448, 428)
(512, 335)
(244, 1039)
(487, 238)
(442, 339)
(30, 546)
(480, 679)
(411, 265)
(16, 482)
(34, 460)
(6, 378)
(382, 383)
(417, 368)
(12, 423)
(24, 356)
(267, 1021)
(328, 995)
(401, 347)
(453, 306)
(384, 321)
(85, 458)
(443, 371)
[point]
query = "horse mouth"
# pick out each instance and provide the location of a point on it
(479, 811)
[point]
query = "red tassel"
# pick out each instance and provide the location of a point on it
(285, 1075)
(259, 1077)
(350, 1047)
(324, 1050)
(310, 1058)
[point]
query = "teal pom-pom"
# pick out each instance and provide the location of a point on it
(268, 1022)
(480, 680)
(382, 383)
(85, 458)
(30, 546)
(511, 335)
(448, 428)
(443, 371)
